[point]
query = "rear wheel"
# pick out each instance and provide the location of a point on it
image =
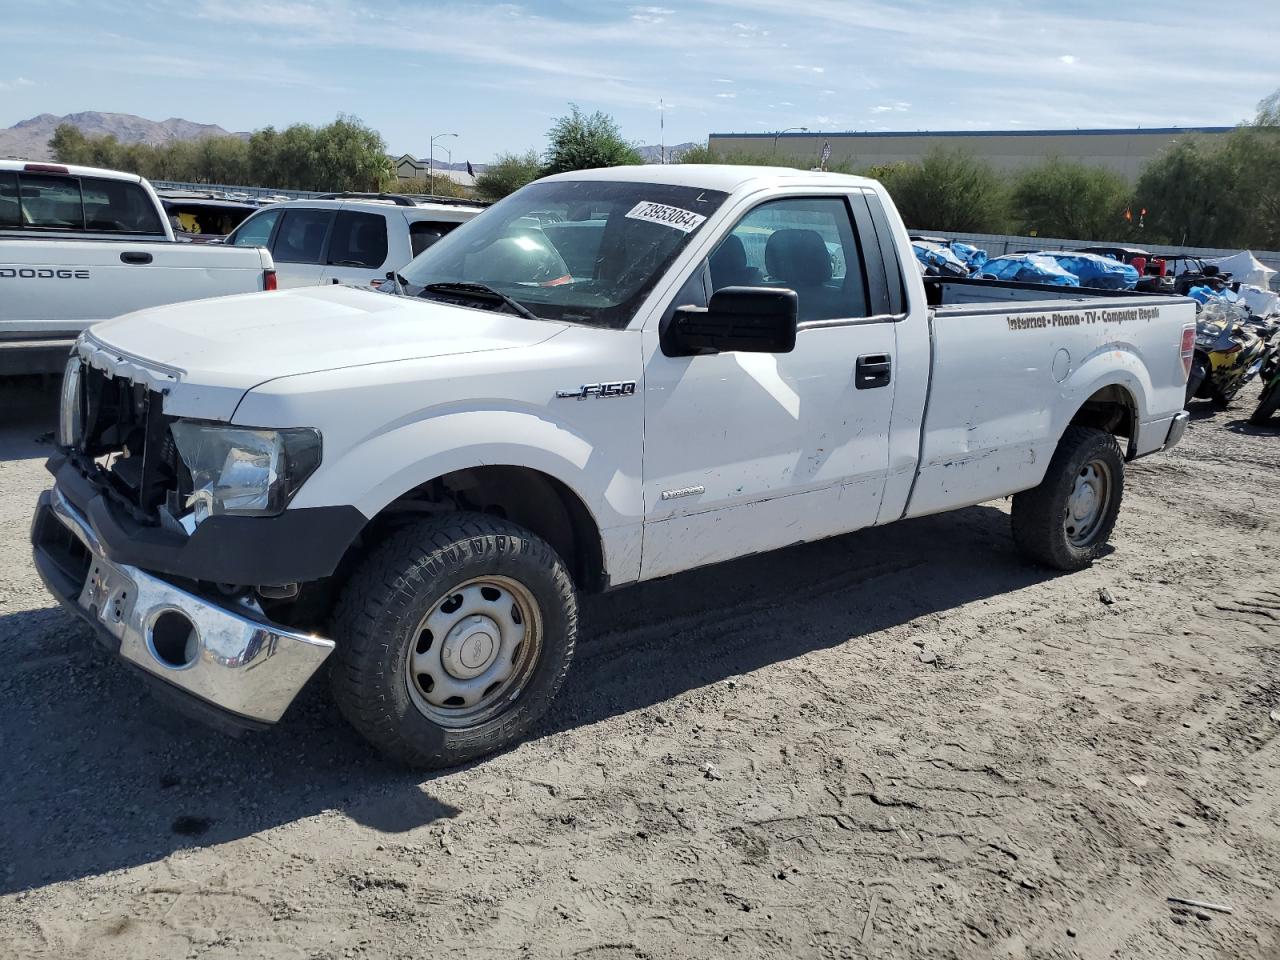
(453, 637)
(1066, 521)
(1268, 404)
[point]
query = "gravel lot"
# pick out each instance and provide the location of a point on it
(900, 743)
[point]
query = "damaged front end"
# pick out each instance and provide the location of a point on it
(153, 555)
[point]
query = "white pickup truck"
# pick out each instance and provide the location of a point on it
(607, 377)
(79, 245)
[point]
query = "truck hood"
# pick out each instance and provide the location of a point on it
(208, 353)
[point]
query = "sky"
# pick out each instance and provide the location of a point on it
(497, 74)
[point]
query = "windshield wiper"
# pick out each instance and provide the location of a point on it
(481, 292)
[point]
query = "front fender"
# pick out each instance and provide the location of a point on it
(383, 467)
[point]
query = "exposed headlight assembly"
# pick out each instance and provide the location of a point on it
(244, 471)
(71, 417)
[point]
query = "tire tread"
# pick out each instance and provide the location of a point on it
(1036, 517)
(379, 588)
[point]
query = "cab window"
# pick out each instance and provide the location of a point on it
(301, 236)
(118, 206)
(804, 244)
(359, 240)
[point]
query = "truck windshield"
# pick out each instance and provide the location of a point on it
(577, 251)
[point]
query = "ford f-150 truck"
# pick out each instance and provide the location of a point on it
(607, 377)
(79, 244)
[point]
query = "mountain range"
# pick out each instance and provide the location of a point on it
(29, 139)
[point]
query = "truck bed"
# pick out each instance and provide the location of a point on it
(1012, 361)
(943, 292)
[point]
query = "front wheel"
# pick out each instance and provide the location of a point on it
(1065, 522)
(453, 636)
(1268, 404)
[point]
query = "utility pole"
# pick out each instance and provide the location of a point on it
(431, 160)
(788, 130)
(662, 132)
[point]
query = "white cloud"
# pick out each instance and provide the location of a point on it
(17, 83)
(808, 69)
(726, 96)
(1068, 59)
(721, 80)
(650, 14)
(899, 107)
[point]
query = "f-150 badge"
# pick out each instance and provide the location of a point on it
(618, 388)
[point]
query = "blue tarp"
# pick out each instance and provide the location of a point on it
(973, 257)
(1092, 270)
(1029, 268)
(940, 260)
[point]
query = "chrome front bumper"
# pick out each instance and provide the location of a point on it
(234, 661)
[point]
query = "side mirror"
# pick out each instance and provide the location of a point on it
(743, 319)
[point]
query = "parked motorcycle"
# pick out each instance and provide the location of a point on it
(1269, 402)
(1228, 354)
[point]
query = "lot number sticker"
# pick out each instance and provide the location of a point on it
(686, 221)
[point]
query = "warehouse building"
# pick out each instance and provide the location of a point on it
(1124, 151)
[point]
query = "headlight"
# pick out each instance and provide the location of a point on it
(71, 417)
(244, 471)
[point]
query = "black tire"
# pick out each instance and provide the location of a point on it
(384, 604)
(1268, 404)
(1199, 371)
(1040, 522)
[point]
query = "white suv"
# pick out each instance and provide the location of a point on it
(350, 237)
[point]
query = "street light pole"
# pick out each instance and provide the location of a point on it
(431, 160)
(788, 130)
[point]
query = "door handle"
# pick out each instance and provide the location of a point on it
(873, 370)
(135, 256)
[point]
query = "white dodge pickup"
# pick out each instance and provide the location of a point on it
(607, 377)
(79, 244)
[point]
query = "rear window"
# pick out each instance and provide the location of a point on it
(46, 202)
(424, 233)
(301, 236)
(359, 240)
(9, 200)
(52, 203)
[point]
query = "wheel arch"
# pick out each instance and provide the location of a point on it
(536, 500)
(1113, 409)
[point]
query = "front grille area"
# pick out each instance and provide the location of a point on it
(126, 449)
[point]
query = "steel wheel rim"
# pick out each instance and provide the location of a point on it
(1088, 502)
(474, 652)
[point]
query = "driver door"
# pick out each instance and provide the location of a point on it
(746, 452)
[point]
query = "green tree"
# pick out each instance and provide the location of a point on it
(581, 142)
(69, 144)
(507, 173)
(1064, 198)
(1183, 193)
(949, 189)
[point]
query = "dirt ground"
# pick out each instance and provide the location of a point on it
(897, 744)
